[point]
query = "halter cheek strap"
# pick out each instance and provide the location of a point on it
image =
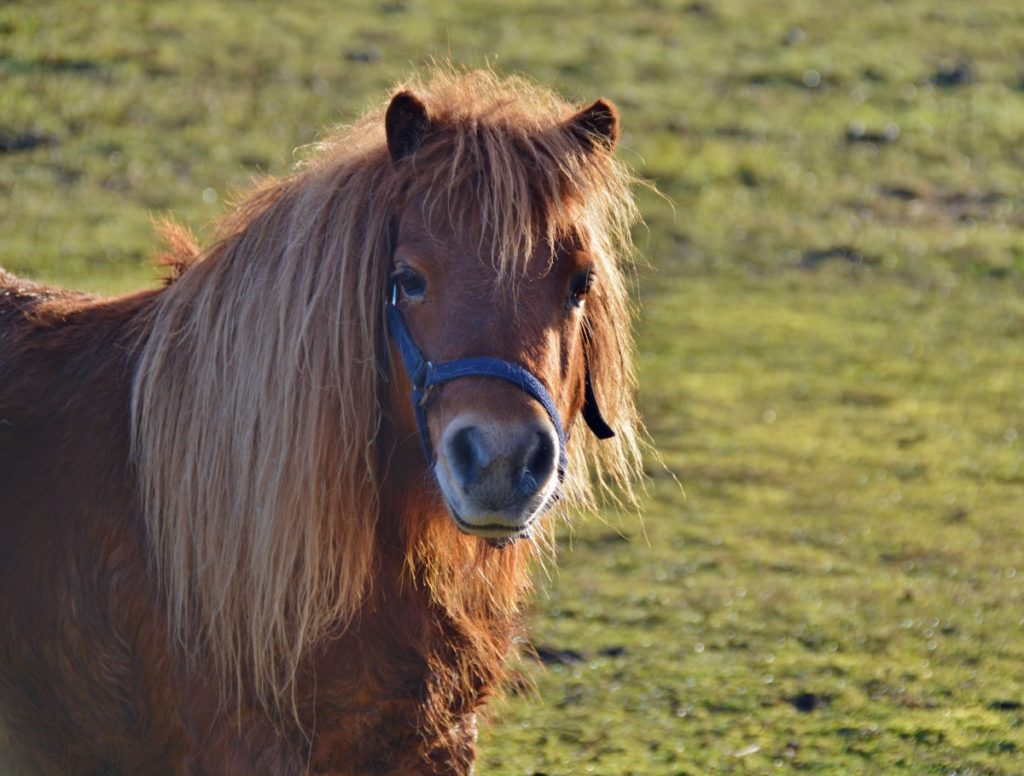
(591, 413)
(425, 376)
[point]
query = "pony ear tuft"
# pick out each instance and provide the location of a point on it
(597, 125)
(405, 124)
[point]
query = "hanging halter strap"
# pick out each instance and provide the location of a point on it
(426, 375)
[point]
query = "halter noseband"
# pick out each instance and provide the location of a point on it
(426, 375)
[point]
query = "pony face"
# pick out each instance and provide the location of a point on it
(495, 448)
(472, 282)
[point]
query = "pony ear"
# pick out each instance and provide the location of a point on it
(597, 125)
(405, 124)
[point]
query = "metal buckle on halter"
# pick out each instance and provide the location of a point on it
(426, 390)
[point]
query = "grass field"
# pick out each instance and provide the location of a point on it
(831, 338)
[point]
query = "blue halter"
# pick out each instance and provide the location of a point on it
(425, 376)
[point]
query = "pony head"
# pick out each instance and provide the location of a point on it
(488, 304)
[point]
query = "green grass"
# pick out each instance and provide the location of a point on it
(850, 535)
(841, 589)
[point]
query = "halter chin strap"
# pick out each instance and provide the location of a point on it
(425, 376)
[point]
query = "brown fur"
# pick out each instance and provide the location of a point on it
(222, 552)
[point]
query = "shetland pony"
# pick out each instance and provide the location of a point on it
(231, 542)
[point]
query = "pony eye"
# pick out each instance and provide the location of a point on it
(413, 284)
(580, 288)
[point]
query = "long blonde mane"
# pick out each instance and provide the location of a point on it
(256, 402)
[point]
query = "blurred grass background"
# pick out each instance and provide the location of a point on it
(831, 334)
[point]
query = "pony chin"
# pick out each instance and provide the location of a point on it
(499, 528)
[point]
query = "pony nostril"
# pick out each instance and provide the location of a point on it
(464, 455)
(540, 462)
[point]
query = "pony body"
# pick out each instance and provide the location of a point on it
(224, 550)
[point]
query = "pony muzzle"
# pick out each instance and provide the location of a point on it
(497, 476)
